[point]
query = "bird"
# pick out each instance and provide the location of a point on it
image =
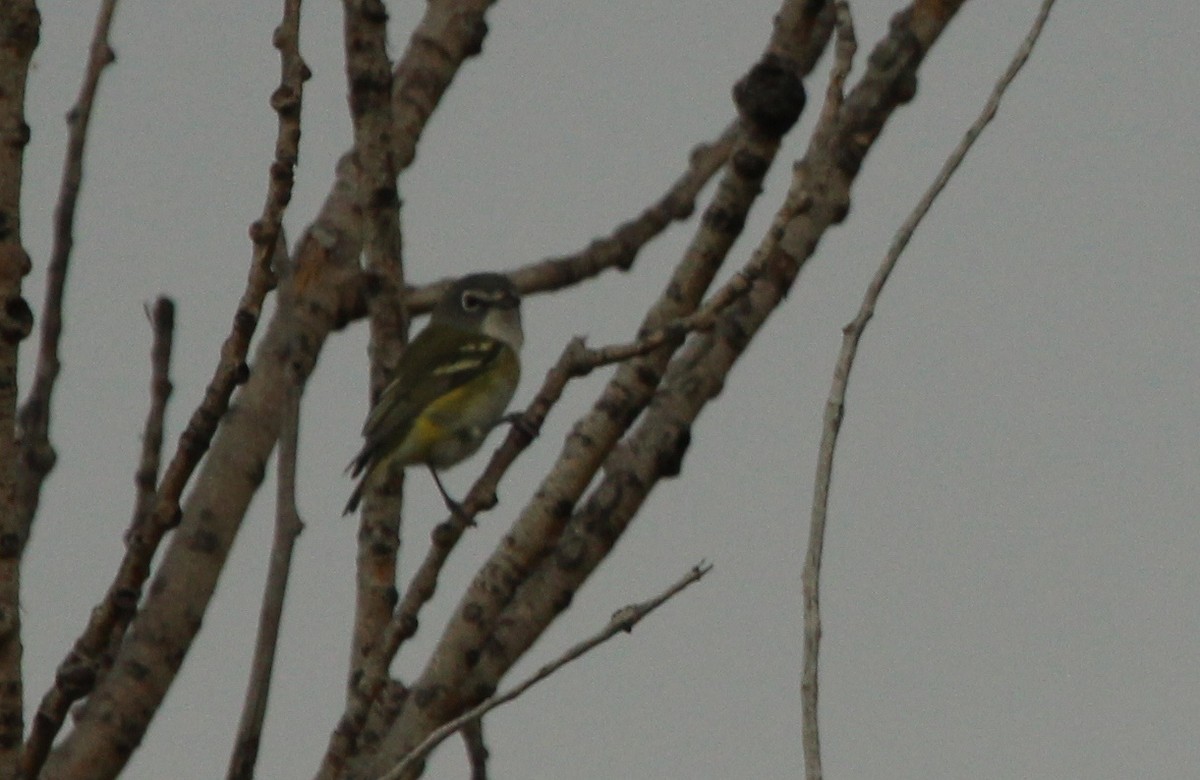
(451, 387)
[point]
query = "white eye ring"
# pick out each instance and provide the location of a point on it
(471, 301)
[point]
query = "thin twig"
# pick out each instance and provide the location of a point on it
(622, 621)
(107, 622)
(702, 320)
(835, 406)
(620, 248)
(38, 454)
(844, 51)
(287, 101)
(162, 320)
(78, 671)
(267, 233)
(288, 527)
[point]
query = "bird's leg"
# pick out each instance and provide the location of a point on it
(455, 507)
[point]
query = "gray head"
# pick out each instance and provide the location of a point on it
(488, 303)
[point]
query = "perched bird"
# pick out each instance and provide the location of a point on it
(452, 385)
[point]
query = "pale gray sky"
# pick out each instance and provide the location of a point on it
(1011, 586)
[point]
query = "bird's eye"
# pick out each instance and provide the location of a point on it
(471, 301)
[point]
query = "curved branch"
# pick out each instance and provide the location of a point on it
(835, 406)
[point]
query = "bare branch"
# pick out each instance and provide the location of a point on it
(162, 320)
(38, 455)
(288, 527)
(286, 100)
(107, 622)
(123, 702)
(269, 245)
(369, 76)
(620, 248)
(835, 406)
(847, 46)
(77, 673)
(19, 29)
(450, 32)
(622, 621)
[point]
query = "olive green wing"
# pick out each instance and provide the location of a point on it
(437, 361)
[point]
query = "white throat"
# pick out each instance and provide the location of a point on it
(504, 325)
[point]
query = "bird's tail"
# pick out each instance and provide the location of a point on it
(360, 465)
(355, 497)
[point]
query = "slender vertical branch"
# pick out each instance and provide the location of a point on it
(847, 46)
(369, 76)
(267, 235)
(835, 406)
(79, 670)
(162, 322)
(37, 451)
(92, 745)
(19, 30)
(288, 527)
(108, 621)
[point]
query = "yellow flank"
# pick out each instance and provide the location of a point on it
(423, 435)
(453, 425)
(473, 337)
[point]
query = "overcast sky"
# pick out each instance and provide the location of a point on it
(1011, 586)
